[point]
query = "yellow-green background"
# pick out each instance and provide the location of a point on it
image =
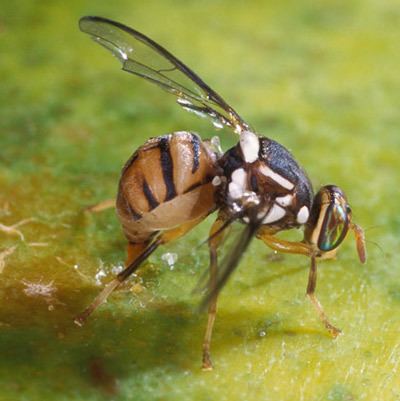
(322, 78)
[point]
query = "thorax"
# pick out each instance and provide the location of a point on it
(263, 176)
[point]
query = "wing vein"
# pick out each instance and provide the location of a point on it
(145, 58)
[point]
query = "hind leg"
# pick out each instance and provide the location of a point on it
(136, 255)
(99, 207)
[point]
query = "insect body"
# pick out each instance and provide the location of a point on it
(173, 182)
(167, 183)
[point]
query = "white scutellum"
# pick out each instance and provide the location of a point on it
(250, 145)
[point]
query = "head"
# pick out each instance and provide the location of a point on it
(329, 222)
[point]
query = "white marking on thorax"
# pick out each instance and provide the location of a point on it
(283, 182)
(238, 185)
(284, 200)
(240, 177)
(216, 181)
(275, 214)
(250, 145)
(302, 215)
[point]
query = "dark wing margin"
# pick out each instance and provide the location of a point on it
(145, 58)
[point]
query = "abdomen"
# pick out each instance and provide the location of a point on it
(166, 183)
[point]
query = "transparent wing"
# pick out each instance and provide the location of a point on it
(145, 58)
(231, 260)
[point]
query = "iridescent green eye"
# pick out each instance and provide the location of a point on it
(334, 227)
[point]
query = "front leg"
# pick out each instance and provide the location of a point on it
(280, 245)
(302, 248)
(312, 283)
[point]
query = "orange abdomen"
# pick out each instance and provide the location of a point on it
(166, 183)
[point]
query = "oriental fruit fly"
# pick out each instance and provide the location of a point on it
(174, 181)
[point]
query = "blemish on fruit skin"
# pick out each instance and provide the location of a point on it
(39, 288)
(101, 377)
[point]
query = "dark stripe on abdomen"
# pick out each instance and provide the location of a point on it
(167, 168)
(135, 215)
(196, 153)
(197, 184)
(149, 195)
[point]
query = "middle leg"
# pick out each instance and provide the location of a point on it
(217, 234)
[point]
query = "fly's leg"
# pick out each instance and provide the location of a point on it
(312, 282)
(215, 238)
(99, 207)
(303, 249)
(280, 245)
(137, 254)
(175, 233)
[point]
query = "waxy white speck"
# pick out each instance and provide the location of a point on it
(238, 185)
(303, 215)
(250, 145)
(216, 181)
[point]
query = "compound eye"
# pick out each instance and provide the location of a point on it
(334, 227)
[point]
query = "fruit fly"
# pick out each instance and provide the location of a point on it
(173, 182)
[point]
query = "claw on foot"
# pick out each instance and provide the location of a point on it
(207, 364)
(334, 331)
